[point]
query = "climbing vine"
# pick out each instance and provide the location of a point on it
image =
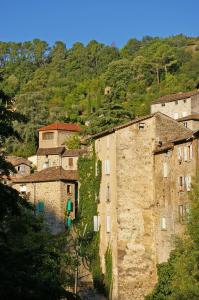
(108, 274)
(89, 168)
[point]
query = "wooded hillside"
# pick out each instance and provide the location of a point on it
(55, 83)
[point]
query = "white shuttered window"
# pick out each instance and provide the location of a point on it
(107, 167)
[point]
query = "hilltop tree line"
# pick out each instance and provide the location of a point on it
(57, 83)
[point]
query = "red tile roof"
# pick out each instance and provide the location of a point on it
(194, 117)
(174, 97)
(74, 152)
(61, 126)
(50, 151)
(49, 174)
(16, 161)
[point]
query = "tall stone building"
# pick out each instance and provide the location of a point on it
(143, 200)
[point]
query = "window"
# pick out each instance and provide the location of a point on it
(187, 180)
(108, 192)
(176, 102)
(96, 223)
(107, 167)
(175, 115)
(185, 124)
(141, 125)
(45, 165)
(165, 169)
(185, 100)
(40, 207)
(179, 153)
(68, 188)
(183, 212)
(108, 224)
(185, 153)
(163, 104)
(48, 135)
(21, 169)
(190, 152)
(70, 162)
(163, 223)
(181, 183)
(23, 188)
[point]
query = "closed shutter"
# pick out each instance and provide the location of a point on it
(188, 183)
(165, 169)
(190, 152)
(107, 167)
(96, 223)
(163, 223)
(179, 153)
(108, 224)
(185, 154)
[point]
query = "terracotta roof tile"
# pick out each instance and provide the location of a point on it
(49, 174)
(61, 126)
(50, 151)
(75, 152)
(174, 97)
(194, 117)
(16, 161)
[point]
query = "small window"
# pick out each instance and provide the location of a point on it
(179, 153)
(187, 180)
(40, 207)
(176, 102)
(185, 124)
(23, 188)
(190, 152)
(181, 183)
(48, 135)
(183, 212)
(165, 169)
(68, 188)
(141, 125)
(70, 161)
(163, 104)
(185, 100)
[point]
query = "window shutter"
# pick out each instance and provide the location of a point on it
(107, 167)
(191, 152)
(165, 169)
(95, 223)
(185, 154)
(108, 224)
(188, 183)
(163, 223)
(179, 153)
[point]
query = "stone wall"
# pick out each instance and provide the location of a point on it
(169, 196)
(175, 109)
(135, 210)
(54, 198)
(60, 136)
(53, 161)
(65, 163)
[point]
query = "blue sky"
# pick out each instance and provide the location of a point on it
(107, 21)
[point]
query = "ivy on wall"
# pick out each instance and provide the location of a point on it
(89, 168)
(109, 270)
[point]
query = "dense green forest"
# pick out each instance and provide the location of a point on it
(54, 83)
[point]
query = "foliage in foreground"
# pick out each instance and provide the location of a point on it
(178, 279)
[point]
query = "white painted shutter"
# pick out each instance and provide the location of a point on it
(96, 223)
(185, 154)
(165, 169)
(179, 153)
(163, 223)
(191, 152)
(108, 224)
(107, 167)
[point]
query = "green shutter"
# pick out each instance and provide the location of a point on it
(40, 207)
(68, 222)
(69, 205)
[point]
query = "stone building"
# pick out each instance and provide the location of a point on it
(136, 199)
(53, 188)
(53, 191)
(22, 165)
(177, 106)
